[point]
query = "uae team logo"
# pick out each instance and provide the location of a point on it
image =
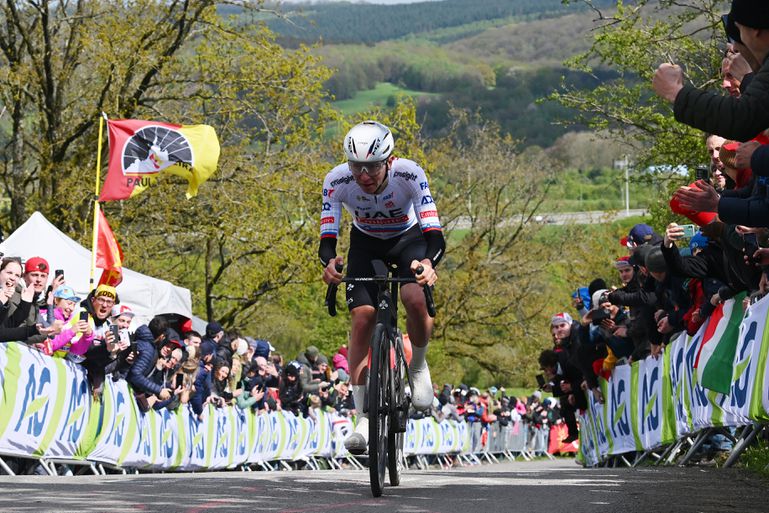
(140, 152)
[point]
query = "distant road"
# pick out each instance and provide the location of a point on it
(587, 217)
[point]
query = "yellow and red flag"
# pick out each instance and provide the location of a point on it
(139, 151)
(109, 256)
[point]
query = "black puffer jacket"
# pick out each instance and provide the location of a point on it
(144, 365)
(740, 119)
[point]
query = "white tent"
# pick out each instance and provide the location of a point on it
(145, 295)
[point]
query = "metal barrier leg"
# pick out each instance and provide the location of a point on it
(5, 467)
(701, 437)
(355, 463)
(640, 458)
(672, 453)
(48, 467)
(665, 453)
(743, 444)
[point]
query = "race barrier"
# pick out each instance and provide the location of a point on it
(658, 402)
(48, 414)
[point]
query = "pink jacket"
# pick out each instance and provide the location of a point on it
(339, 360)
(69, 340)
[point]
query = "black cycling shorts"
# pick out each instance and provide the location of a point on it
(399, 250)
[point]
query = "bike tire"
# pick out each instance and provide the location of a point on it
(397, 401)
(378, 413)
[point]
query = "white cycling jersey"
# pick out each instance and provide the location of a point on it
(405, 201)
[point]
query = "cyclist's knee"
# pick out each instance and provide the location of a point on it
(414, 302)
(363, 315)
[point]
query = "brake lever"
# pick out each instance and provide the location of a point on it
(331, 293)
(428, 290)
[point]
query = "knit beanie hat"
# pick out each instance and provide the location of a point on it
(655, 262)
(751, 13)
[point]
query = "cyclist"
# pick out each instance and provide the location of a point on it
(394, 219)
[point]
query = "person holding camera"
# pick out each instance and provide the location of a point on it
(608, 339)
(148, 340)
(721, 276)
(675, 297)
(221, 394)
(292, 396)
(563, 380)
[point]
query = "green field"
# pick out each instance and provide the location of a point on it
(376, 97)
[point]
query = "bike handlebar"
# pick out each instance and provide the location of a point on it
(332, 288)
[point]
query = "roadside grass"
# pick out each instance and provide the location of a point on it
(756, 458)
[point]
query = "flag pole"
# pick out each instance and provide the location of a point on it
(96, 202)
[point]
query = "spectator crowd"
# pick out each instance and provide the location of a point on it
(671, 282)
(168, 364)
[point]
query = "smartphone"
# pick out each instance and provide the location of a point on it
(689, 230)
(750, 247)
(540, 380)
(84, 315)
(179, 380)
(115, 333)
(702, 173)
(725, 24)
(58, 272)
(730, 30)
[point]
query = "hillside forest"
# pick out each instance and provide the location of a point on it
(515, 110)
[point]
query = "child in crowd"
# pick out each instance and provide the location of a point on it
(76, 335)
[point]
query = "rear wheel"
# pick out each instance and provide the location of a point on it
(378, 409)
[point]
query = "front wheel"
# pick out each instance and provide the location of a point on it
(378, 412)
(399, 413)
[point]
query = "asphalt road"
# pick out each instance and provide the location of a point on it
(540, 486)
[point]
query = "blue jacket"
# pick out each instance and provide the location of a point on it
(147, 356)
(202, 389)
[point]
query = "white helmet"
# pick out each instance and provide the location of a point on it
(368, 142)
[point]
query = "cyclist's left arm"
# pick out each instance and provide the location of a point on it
(427, 216)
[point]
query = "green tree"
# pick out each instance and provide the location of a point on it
(633, 40)
(247, 234)
(493, 283)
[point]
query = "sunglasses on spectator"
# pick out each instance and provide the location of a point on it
(370, 168)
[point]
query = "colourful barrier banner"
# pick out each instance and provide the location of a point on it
(666, 401)
(45, 405)
(48, 412)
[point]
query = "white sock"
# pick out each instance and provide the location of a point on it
(359, 397)
(418, 357)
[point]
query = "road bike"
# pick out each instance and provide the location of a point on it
(386, 404)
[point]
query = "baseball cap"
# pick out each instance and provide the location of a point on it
(36, 264)
(623, 261)
(172, 338)
(698, 241)
(561, 318)
(125, 310)
(639, 234)
(66, 292)
(212, 328)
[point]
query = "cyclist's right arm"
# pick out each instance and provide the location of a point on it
(331, 212)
